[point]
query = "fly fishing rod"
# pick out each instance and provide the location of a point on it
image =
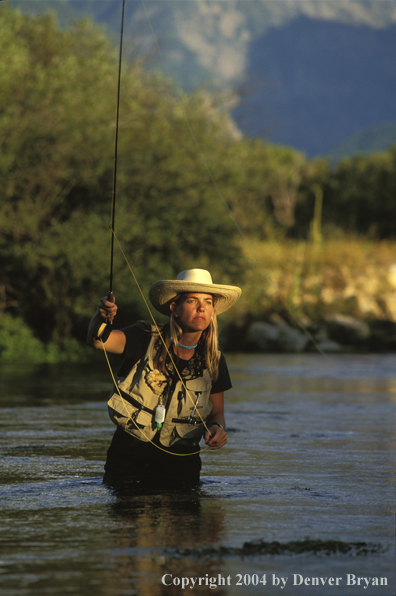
(110, 296)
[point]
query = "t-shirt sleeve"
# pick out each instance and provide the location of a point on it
(137, 339)
(223, 381)
(136, 336)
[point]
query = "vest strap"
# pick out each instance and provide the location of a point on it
(134, 402)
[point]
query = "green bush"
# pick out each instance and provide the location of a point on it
(18, 344)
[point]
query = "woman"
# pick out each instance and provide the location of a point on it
(170, 387)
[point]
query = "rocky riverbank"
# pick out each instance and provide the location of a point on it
(337, 333)
(334, 309)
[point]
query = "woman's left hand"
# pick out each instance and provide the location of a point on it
(216, 437)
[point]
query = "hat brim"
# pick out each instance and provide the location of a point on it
(162, 294)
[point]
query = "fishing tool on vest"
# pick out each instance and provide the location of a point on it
(160, 412)
(191, 418)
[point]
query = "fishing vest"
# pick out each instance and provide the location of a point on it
(132, 404)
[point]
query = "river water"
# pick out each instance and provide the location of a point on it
(300, 501)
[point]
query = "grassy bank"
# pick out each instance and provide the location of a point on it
(352, 277)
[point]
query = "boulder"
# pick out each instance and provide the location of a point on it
(292, 340)
(345, 329)
(262, 337)
(383, 335)
(328, 346)
(278, 337)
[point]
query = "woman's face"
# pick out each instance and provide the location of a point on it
(194, 311)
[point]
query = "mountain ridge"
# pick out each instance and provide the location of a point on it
(218, 43)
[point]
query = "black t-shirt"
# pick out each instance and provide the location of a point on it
(137, 340)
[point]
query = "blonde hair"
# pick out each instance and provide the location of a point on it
(207, 345)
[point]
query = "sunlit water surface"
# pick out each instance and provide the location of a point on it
(310, 456)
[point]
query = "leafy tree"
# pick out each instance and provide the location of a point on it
(55, 137)
(362, 195)
(57, 108)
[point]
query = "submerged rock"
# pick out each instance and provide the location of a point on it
(262, 547)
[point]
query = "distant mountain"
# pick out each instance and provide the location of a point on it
(310, 73)
(318, 83)
(372, 139)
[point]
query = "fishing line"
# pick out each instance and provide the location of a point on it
(250, 249)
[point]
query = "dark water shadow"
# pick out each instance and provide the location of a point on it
(147, 522)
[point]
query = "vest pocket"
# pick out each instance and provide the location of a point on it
(131, 419)
(181, 433)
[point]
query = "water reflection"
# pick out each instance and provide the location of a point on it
(349, 373)
(147, 528)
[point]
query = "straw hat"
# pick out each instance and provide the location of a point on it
(162, 293)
